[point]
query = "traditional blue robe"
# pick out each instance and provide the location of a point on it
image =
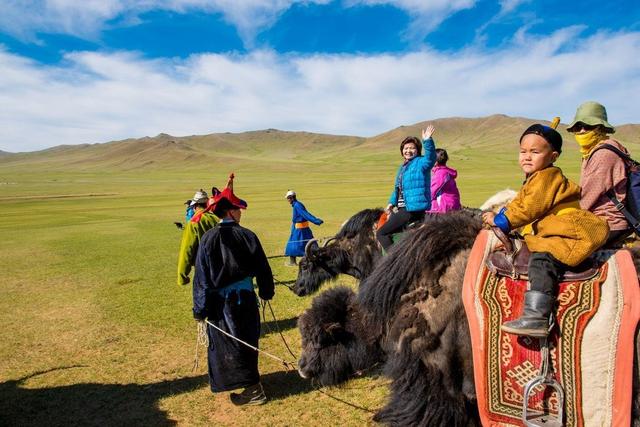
(300, 235)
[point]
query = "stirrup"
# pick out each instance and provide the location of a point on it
(545, 378)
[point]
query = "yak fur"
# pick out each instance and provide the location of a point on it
(336, 343)
(410, 304)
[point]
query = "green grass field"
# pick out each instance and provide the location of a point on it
(95, 329)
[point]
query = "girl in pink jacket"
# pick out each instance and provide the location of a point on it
(445, 196)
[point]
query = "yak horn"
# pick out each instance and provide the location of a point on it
(307, 248)
(328, 241)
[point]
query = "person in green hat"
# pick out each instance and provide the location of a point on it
(602, 169)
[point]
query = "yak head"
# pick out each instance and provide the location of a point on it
(336, 342)
(353, 251)
(321, 264)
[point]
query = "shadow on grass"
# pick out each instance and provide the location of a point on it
(90, 404)
(282, 384)
(271, 326)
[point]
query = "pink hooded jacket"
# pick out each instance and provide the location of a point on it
(444, 191)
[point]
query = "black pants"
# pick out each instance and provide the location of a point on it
(545, 272)
(395, 224)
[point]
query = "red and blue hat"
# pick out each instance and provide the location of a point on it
(226, 200)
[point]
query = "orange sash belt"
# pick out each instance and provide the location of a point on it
(303, 224)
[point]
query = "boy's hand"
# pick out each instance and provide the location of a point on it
(487, 218)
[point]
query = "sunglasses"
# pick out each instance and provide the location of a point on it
(581, 126)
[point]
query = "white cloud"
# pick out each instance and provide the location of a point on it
(96, 97)
(508, 6)
(88, 18)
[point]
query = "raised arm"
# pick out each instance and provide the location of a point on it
(428, 147)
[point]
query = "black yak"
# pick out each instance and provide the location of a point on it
(353, 251)
(410, 304)
(337, 341)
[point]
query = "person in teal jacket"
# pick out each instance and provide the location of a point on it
(411, 195)
(201, 221)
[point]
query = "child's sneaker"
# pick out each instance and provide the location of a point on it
(252, 395)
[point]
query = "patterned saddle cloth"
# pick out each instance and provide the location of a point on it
(591, 348)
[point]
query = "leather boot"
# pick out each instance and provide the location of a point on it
(252, 395)
(534, 320)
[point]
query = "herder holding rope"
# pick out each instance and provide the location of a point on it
(229, 257)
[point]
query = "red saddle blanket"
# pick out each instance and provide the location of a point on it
(592, 356)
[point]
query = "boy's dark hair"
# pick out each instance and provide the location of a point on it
(441, 156)
(411, 140)
(548, 133)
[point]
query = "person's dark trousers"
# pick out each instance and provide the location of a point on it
(394, 224)
(539, 300)
(616, 237)
(545, 272)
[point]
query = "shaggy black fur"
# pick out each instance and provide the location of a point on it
(336, 341)
(427, 338)
(430, 359)
(360, 223)
(430, 249)
(413, 299)
(353, 251)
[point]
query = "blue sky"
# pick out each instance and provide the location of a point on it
(97, 70)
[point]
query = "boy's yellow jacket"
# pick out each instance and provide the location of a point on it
(548, 205)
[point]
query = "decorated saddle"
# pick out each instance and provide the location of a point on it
(589, 354)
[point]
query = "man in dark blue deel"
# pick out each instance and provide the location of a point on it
(228, 259)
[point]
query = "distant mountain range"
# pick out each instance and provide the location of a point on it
(491, 133)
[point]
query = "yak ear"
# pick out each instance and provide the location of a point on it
(332, 328)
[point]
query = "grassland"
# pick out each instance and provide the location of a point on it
(94, 328)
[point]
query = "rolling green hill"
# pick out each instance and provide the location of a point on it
(461, 136)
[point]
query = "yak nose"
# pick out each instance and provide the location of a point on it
(301, 365)
(302, 374)
(299, 290)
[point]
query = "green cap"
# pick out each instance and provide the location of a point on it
(591, 113)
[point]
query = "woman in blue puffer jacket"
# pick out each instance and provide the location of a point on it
(412, 191)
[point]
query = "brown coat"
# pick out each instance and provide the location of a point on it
(549, 203)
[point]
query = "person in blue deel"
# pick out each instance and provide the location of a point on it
(300, 231)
